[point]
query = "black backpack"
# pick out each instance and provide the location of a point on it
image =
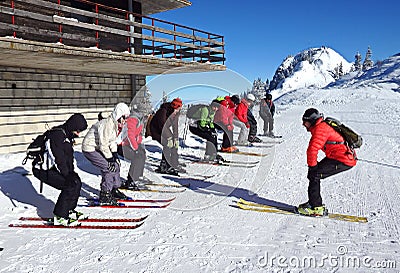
(36, 149)
(351, 138)
(192, 110)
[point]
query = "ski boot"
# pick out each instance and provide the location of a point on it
(117, 194)
(231, 149)
(106, 198)
(308, 210)
(67, 222)
(77, 215)
(254, 139)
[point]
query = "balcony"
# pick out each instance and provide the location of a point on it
(56, 35)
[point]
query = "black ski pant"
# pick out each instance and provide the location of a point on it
(253, 123)
(137, 159)
(211, 144)
(227, 138)
(68, 198)
(326, 167)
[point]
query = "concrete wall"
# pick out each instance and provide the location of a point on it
(31, 100)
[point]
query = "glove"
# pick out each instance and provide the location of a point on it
(170, 142)
(72, 179)
(312, 172)
(116, 158)
(112, 164)
(247, 125)
(176, 143)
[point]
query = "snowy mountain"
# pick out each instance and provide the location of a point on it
(315, 68)
(385, 74)
(203, 231)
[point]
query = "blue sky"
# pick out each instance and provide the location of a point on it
(259, 34)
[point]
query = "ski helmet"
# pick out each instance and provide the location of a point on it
(268, 96)
(251, 97)
(312, 115)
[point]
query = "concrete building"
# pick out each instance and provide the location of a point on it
(61, 57)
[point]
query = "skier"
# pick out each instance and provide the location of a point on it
(223, 120)
(59, 173)
(267, 111)
(241, 120)
(100, 147)
(338, 158)
(131, 147)
(204, 127)
(164, 129)
(253, 125)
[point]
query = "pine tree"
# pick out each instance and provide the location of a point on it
(357, 62)
(368, 63)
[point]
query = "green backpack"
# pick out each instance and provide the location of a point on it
(351, 138)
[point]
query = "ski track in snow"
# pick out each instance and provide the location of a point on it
(201, 232)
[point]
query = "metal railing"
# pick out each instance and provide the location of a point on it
(107, 28)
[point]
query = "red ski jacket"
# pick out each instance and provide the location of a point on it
(224, 116)
(321, 135)
(241, 111)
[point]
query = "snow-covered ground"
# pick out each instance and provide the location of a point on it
(201, 232)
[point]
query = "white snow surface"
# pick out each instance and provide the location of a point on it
(201, 232)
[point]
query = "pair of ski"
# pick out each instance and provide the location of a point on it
(106, 223)
(246, 153)
(130, 203)
(292, 210)
(231, 163)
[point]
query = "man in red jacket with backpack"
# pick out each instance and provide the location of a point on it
(339, 158)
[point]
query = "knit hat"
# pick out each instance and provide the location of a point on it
(235, 99)
(77, 123)
(176, 103)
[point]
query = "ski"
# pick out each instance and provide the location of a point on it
(161, 190)
(242, 162)
(91, 220)
(248, 153)
(122, 205)
(223, 163)
(82, 226)
(247, 205)
(167, 185)
(131, 200)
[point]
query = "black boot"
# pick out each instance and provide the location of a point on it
(106, 198)
(163, 167)
(117, 194)
(126, 183)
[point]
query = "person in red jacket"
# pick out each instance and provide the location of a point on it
(241, 120)
(339, 158)
(131, 148)
(224, 120)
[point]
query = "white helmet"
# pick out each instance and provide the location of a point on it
(121, 109)
(251, 97)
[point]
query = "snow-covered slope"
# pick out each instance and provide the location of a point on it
(315, 67)
(202, 231)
